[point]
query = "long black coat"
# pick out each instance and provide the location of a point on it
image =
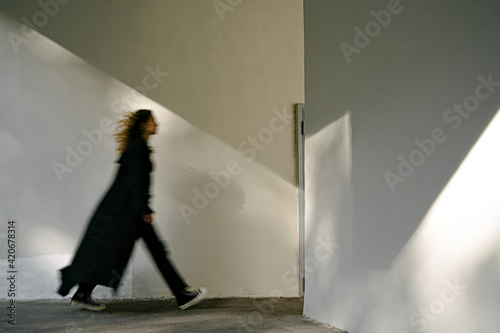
(107, 244)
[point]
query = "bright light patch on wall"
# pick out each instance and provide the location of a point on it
(463, 222)
(328, 157)
(328, 166)
(461, 231)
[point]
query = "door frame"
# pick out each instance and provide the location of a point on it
(300, 143)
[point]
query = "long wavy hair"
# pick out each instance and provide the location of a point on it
(131, 125)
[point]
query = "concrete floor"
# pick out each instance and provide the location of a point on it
(216, 315)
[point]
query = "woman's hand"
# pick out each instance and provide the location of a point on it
(147, 218)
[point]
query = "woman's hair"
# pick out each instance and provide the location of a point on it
(130, 126)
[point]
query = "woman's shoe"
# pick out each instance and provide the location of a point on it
(86, 302)
(188, 298)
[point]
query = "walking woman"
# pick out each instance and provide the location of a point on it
(122, 217)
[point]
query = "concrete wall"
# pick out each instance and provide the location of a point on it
(222, 87)
(401, 165)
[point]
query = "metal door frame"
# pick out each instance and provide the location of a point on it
(300, 139)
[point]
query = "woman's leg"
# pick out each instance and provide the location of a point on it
(157, 249)
(85, 289)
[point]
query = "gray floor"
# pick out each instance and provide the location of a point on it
(216, 315)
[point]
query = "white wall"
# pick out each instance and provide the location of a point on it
(229, 62)
(241, 242)
(417, 251)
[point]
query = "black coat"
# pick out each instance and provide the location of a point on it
(107, 244)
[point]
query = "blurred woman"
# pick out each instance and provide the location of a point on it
(122, 217)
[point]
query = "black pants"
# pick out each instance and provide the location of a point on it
(159, 254)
